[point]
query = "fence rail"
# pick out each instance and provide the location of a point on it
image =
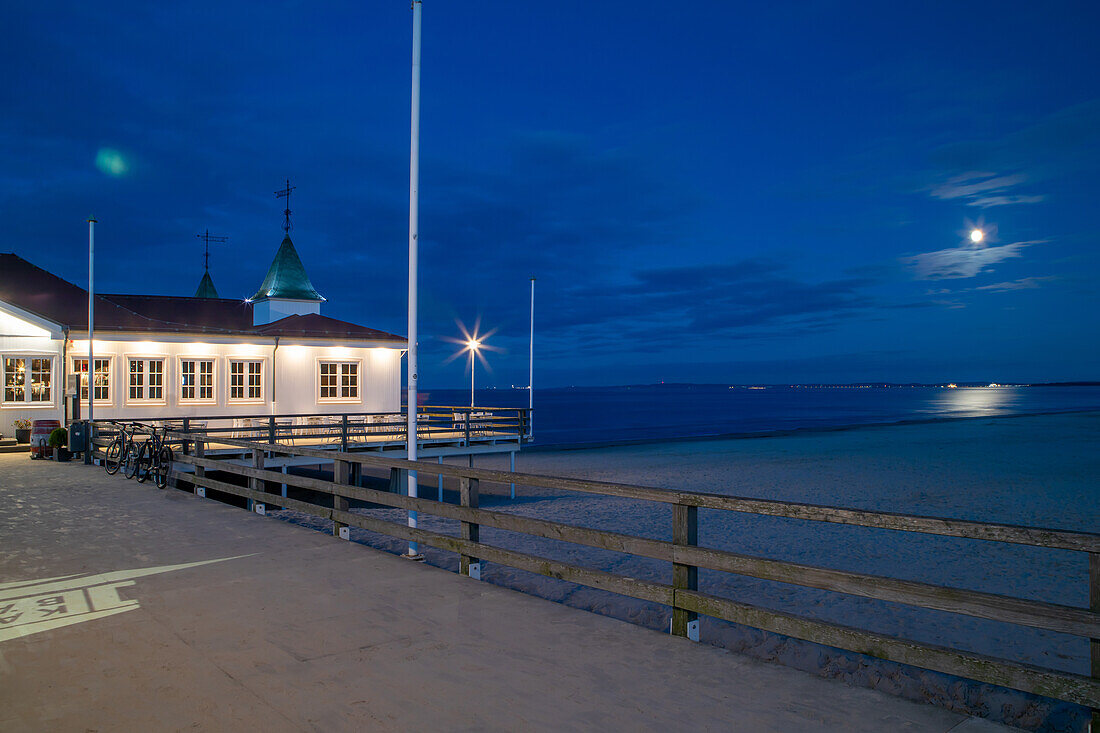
(461, 426)
(686, 557)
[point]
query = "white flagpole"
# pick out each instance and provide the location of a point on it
(531, 366)
(414, 231)
(91, 324)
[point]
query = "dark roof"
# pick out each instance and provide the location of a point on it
(181, 311)
(206, 287)
(287, 278)
(315, 325)
(44, 294)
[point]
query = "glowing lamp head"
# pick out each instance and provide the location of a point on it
(976, 235)
(473, 344)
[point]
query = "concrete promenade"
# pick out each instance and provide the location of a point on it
(100, 629)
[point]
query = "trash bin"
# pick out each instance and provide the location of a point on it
(78, 437)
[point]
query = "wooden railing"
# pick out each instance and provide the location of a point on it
(462, 426)
(686, 556)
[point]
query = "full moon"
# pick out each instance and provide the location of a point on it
(976, 235)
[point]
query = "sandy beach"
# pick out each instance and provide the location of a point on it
(1033, 470)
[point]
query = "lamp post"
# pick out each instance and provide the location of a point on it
(473, 345)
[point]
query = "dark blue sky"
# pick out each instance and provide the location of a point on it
(719, 193)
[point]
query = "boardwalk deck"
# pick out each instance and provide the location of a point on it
(301, 631)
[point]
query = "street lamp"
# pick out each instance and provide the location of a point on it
(473, 346)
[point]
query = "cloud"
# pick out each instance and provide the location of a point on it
(965, 261)
(1026, 283)
(983, 189)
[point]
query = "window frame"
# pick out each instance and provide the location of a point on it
(197, 400)
(146, 360)
(358, 399)
(28, 358)
(229, 362)
(110, 359)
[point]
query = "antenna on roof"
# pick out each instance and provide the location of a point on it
(285, 193)
(207, 237)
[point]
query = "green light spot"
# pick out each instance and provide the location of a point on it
(111, 162)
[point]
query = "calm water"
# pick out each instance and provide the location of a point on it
(599, 414)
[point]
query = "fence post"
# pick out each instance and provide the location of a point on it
(468, 497)
(271, 429)
(257, 484)
(467, 428)
(344, 433)
(685, 531)
(398, 480)
(200, 450)
(187, 431)
(341, 473)
(1094, 644)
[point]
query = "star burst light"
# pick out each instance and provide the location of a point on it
(472, 343)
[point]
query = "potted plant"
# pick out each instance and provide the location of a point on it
(22, 431)
(59, 441)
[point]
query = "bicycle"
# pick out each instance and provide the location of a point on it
(117, 454)
(155, 457)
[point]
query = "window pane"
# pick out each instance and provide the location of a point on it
(137, 381)
(156, 379)
(101, 387)
(15, 380)
(80, 366)
(206, 380)
(41, 370)
(187, 380)
(236, 380)
(255, 380)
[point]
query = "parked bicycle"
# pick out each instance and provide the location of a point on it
(154, 457)
(120, 452)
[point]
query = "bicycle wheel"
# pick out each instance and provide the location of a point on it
(112, 459)
(144, 462)
(162, 466)
(131, 464)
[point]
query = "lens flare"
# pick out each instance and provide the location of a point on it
(111, 162)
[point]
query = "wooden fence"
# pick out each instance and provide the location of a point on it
(459, 426)
(686, 557)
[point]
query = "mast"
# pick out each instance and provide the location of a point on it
(414, 232)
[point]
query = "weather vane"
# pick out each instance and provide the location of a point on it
(207, 238)
(285, 193)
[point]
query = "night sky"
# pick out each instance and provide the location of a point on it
(717, 192)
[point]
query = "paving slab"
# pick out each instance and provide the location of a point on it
(123, 607)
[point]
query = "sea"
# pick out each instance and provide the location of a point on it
(594, 416)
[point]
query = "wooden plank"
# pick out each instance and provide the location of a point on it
(1037, 536)
(685, 531)
(622, 585)
(468, 497)
(1037, 614)
(1048, 683)
(1064, 619)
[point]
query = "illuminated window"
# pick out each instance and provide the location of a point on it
(41, 370)
(246, 380)
(146, 379)
(102, 378)
(27, 379)
(15, 380)
(339, 380)
(197, 379)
